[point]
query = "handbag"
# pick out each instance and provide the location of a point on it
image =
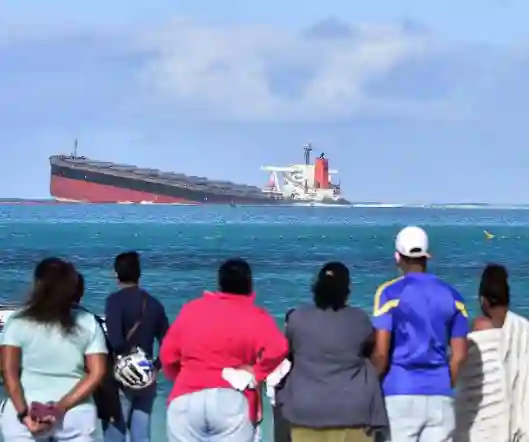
(124, 368)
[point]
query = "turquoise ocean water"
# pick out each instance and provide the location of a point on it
(182, 247)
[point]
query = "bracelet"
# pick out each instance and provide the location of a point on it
(22, 415)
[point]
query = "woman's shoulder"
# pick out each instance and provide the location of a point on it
(348, 310)
(308, 315)
(84, 318)
(481, 323)
(358, 318)
(302, 308)
(288, 314)
(15, 317)
(356, 311)
(299, 311)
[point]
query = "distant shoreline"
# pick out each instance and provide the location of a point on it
(47, 201)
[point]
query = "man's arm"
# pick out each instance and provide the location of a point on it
(170, 350)
(458, 337)
(459, 348)
(161, 331)
(380, 354)
(163, 324)
(114, 323)
(383, 325)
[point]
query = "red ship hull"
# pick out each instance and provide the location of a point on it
(68, 189)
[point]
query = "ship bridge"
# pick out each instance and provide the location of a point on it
(303, 182)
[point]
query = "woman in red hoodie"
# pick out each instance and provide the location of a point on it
(212, 338)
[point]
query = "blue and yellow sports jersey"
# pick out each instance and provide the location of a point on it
(423, 313)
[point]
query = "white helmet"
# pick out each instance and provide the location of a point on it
(135, 370)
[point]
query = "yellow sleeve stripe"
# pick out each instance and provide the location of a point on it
(378, 309)
(461, 307)
(387, 307)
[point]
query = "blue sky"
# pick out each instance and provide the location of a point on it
(411, 100)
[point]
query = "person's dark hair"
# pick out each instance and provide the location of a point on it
(331, 288)
(127, 267)
(422, 262)
(44, 266)
(79, 288)
(235, 276)
(494, 285)
(51, 300)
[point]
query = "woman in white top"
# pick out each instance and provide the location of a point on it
(54, 353)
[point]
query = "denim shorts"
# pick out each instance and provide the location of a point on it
(80, 424)
(419, 419)
(215, 415)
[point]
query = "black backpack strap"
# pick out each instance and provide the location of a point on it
(288, 313)
(287, 316)
(98, 318)
(106, 396)
(139, 321)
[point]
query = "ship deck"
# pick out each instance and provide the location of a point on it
(187, 182)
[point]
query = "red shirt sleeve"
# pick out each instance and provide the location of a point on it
(170, 350)
(271, 346)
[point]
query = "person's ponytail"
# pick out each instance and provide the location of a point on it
(494, 285)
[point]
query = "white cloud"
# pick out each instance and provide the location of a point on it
(231, 72)
(188, 70)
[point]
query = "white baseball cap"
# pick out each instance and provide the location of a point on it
(412, 241)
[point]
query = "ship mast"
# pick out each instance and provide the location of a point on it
(75, 144)
(308, 149)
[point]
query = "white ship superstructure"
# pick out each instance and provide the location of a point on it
(304, 182)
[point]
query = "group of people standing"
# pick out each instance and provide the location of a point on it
(67, 372)
(333, 374)
(389, 378)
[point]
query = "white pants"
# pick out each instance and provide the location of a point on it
(78, 425)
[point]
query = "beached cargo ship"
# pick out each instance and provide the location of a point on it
(76, 178)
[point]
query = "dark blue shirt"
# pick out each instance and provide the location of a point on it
(122, 311)
(423, 313)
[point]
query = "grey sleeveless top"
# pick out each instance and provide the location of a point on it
(331, 383)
